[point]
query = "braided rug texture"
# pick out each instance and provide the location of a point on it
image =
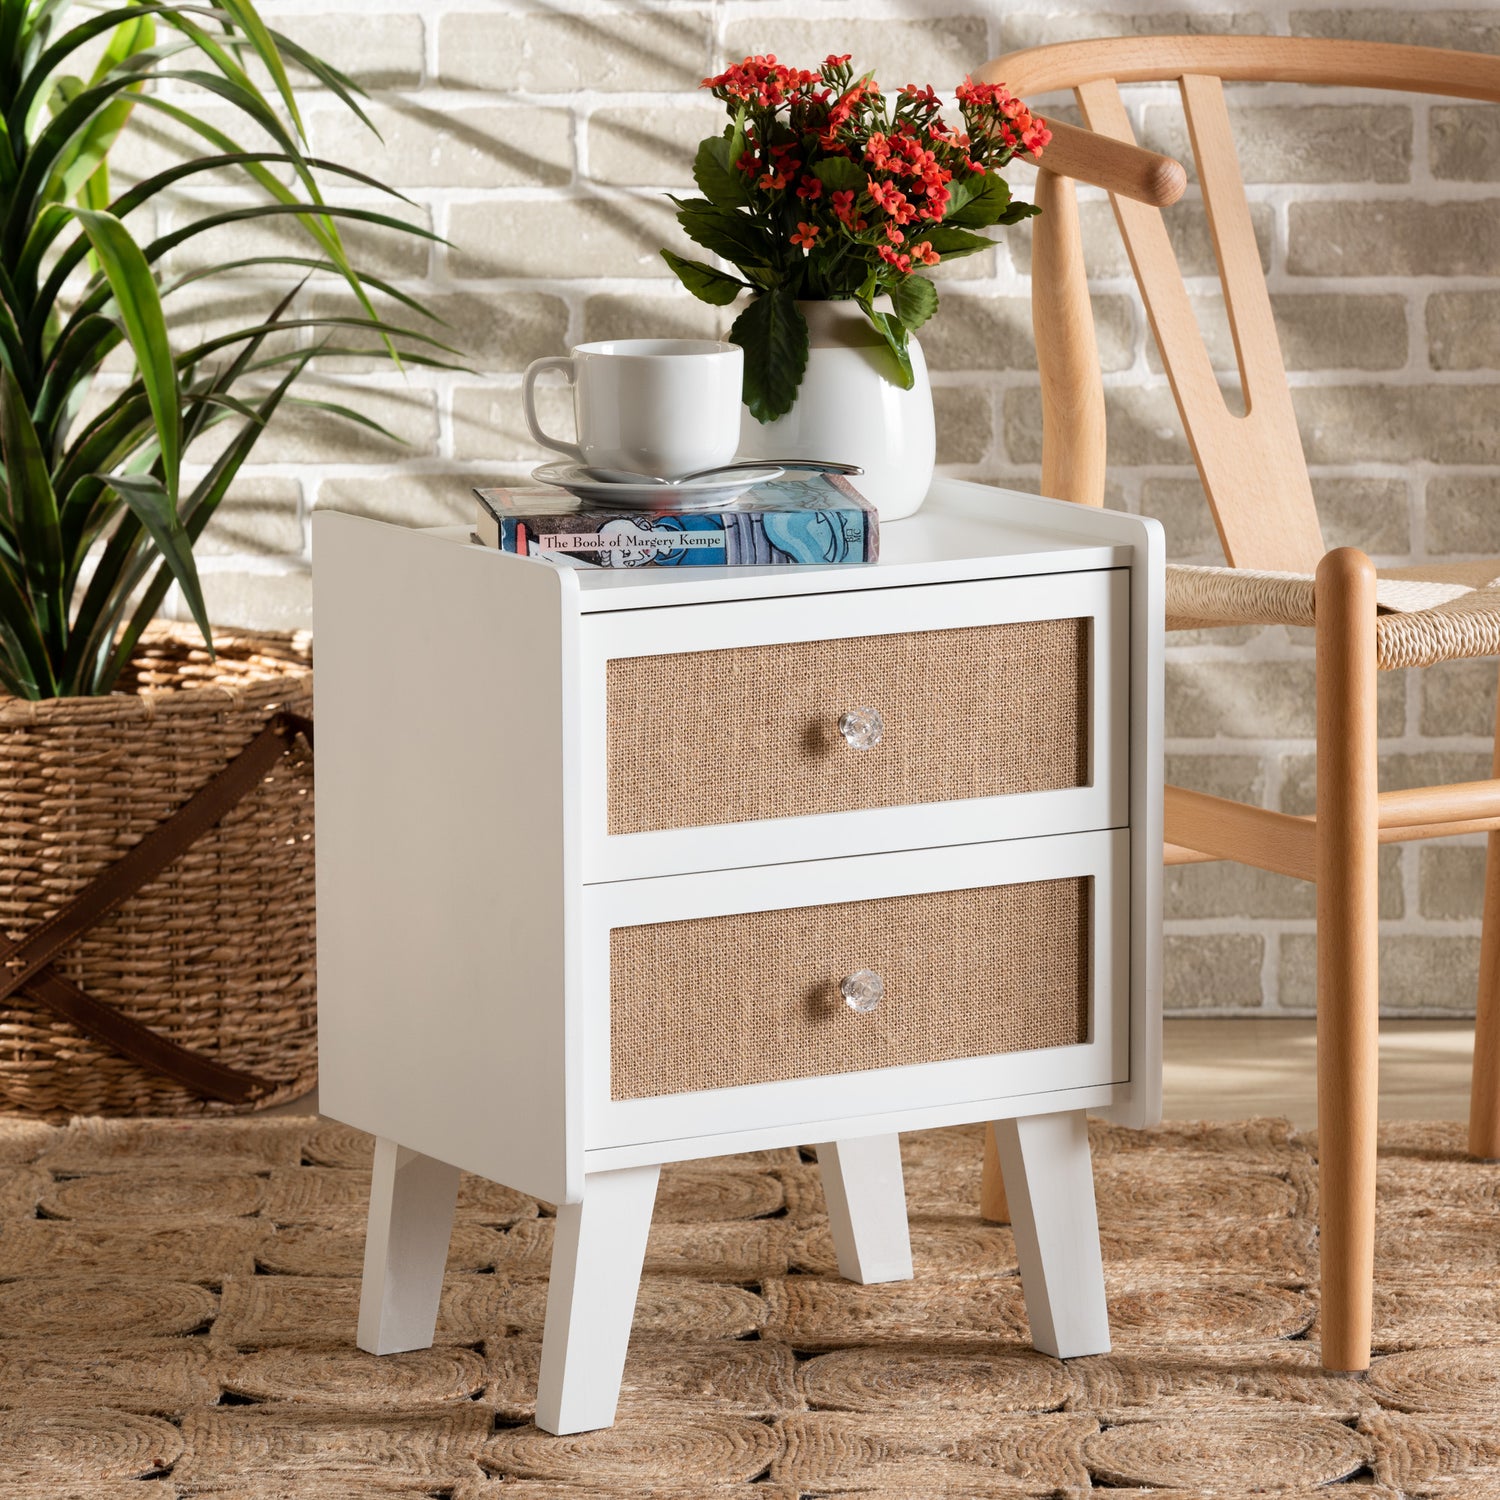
(177, 1310)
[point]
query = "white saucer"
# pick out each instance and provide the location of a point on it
(693, 494)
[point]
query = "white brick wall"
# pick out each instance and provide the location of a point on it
(540, 141)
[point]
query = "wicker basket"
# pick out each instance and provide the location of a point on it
(215, 953)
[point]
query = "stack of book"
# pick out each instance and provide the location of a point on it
(816, 519)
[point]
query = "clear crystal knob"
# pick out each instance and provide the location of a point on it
(862, 728)
(862, 990)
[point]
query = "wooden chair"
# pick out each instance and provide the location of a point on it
(1255, 476)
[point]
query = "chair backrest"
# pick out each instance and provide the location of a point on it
(1251, 465)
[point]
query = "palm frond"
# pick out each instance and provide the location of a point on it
(97, 518)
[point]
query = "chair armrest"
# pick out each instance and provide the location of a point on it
(1131, 171)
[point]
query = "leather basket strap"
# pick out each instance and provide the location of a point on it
(24, 964)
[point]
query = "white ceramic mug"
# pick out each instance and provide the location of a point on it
(663, 407)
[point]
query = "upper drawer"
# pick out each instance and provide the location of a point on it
(719, 735)
(982, 711)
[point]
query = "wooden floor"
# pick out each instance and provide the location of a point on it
(1232, 1069)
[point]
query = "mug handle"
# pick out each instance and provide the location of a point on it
(564, 364)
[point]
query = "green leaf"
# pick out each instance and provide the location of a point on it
(8, 166)
(135, 293)
(247, 18)
(200, 507)
(982, 206)
(718, 179)
(1018, 211)
(119, 569)
(43, 74)
(24, 667)
(372, 325)
(915, 299)
(725, 231)
(302, 211)
(48, 154)
(348, 92)
(952, 243)
(138, 34)
(33, 511)
(156, 510)
(95, 192)
(249, 100)
(840, 175)
(773, 334)
(81, 170)
(704, 282)
(893, 331)
(50, 219)
(961, 189)
(304, 262)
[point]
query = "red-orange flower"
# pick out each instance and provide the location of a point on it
(806, 236)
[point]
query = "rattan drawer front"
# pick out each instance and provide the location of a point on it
(719, 1002)
(747, 733)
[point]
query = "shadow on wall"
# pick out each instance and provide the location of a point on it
(540, 144)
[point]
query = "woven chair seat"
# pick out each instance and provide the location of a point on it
(1428, 613)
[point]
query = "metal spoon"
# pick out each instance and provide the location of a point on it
(625, 476)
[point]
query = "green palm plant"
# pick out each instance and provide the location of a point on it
(97, 518)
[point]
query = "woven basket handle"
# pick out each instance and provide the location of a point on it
(24, 963)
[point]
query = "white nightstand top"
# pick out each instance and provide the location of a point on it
(959, 533)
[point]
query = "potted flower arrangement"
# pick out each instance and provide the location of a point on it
(831, 201)
(152, 964)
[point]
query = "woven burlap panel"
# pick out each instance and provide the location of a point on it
(723, 1001)
(731, 736)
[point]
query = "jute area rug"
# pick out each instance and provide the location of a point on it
(177, 1310)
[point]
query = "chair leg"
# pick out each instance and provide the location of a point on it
(994, 1208)
(1348, 952)
(1484, 1087)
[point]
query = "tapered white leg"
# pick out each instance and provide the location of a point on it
(597, 1253)
(1049, 1180)
(867, 1207)
(406, 1246)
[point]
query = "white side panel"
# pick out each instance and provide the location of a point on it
(444, 707)
(1102, 597)
(1140, 1105)
(817, 1105)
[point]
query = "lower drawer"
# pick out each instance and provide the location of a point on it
(738, 999)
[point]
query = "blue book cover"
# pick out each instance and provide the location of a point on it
(811, 520)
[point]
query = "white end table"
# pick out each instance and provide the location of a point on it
(625, 868)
